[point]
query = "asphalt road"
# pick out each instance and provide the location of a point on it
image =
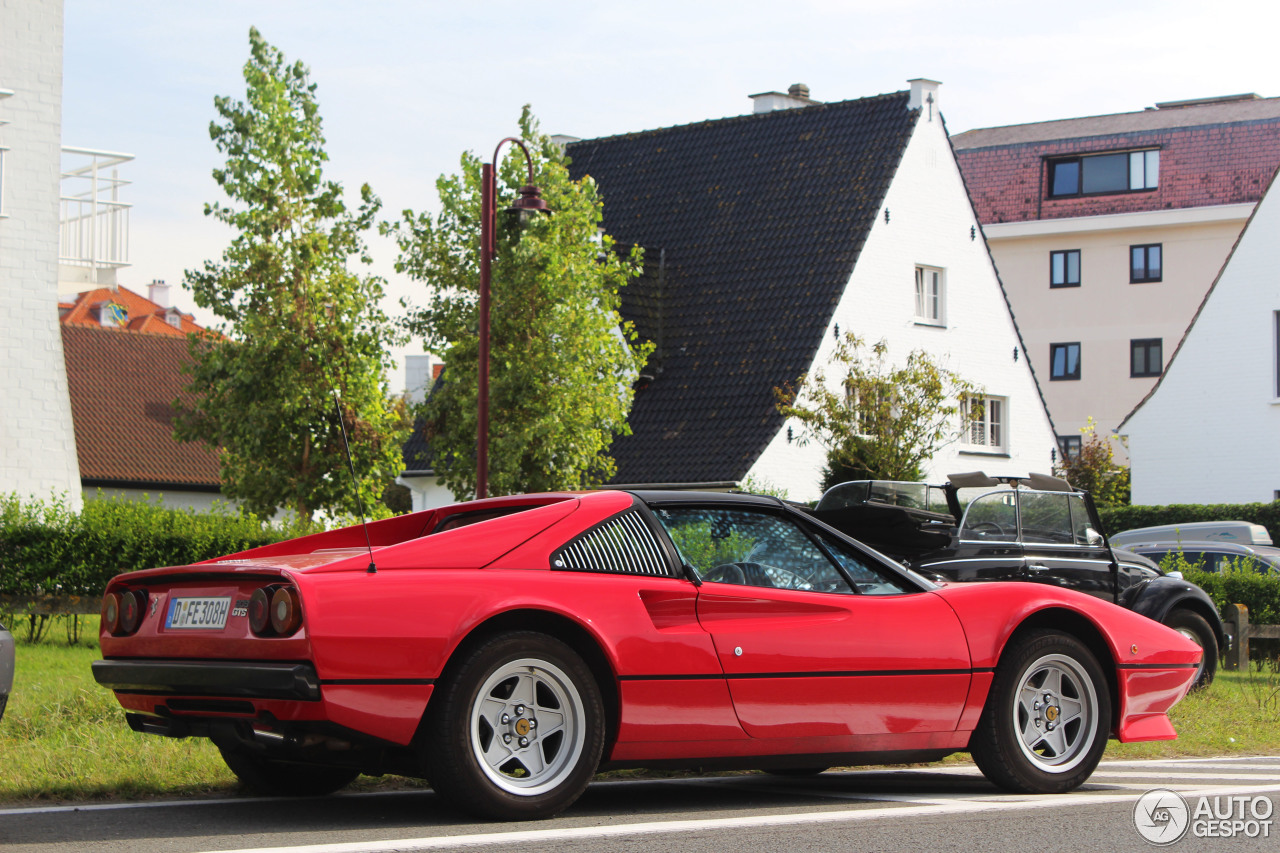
(941, 808)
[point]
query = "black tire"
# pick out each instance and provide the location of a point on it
(1196, 628)
(1047, 717)
(273, 778)
(518, 731)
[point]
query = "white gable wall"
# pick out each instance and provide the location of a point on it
(37, 442)
(1208, 432)
(929, 223)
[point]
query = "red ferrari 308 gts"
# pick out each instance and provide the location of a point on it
(508, 649)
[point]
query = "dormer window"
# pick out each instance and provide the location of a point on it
(173, 317)
(112, 315)
(1095, 174)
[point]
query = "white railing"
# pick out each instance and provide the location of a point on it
(94, 221)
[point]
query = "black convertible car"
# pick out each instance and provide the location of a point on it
(1035, 528)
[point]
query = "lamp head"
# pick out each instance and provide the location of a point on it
(530, 201)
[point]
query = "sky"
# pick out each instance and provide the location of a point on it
(405, 87)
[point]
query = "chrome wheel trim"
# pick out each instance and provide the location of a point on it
(1055, 713)
(527, 726)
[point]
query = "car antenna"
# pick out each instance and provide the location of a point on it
(364, 525)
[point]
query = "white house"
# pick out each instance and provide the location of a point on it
(768, 235)
(1207, 431)
(37, 442)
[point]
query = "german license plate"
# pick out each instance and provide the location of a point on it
(202, 613)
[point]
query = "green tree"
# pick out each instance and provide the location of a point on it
(561, 360)
(880, 422)
(1094, 469)
(297, 324)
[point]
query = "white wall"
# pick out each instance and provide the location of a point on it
(37, 442)
(929, 223)
(1208, 434)
(426, 493)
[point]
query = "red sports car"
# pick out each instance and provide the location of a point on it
(508, 649)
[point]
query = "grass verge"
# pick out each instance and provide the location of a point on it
(64, 739)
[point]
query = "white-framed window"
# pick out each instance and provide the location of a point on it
(873, 412)
(931, 295)
(987, 420)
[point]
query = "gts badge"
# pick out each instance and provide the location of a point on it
(241, 608)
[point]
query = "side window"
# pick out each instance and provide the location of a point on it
(869, 578)
(1081, 526)
(992, 517)
(623, 545)
(735, 546)
(1046, 517)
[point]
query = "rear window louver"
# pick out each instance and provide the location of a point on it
(622, 545)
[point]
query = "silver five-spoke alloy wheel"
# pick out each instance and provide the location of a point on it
(527, 726)
(1056, 712)
(1047, 716)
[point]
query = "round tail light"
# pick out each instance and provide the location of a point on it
(260, 611)
(132, 606)
(111, 612)
(286, 611)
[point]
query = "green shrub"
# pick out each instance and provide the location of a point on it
(1119, 518)
(46, 548)
(1238, 584)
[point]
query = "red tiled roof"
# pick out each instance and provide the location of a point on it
(143, 314)
(1209, 155)
(122, 390)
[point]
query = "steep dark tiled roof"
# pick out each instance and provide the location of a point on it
(122, 388)
(416, 452)
(751, 228)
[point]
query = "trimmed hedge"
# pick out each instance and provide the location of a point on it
(45, 548)
(1239, 584)
(1120, 518)
(1259, 593)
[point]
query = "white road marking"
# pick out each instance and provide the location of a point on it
(1132, 774)
(580, 833)
(1209, 760)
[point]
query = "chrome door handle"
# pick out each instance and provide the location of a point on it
(1036, 567)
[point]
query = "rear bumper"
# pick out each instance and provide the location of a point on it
(295, 681)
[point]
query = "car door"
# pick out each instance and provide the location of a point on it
(987, 546)
(1060, 546)
(816, 638)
